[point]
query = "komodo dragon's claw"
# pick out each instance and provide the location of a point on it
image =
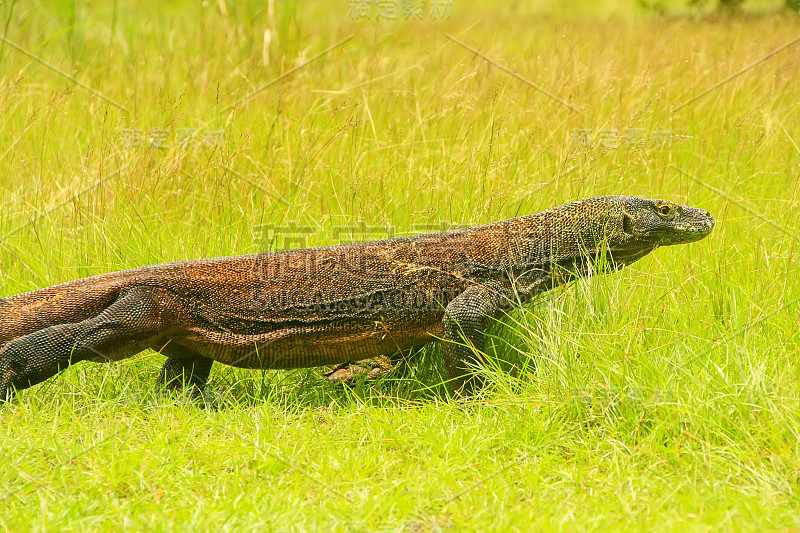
(346, 373)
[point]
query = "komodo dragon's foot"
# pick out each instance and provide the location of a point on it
(373, 368)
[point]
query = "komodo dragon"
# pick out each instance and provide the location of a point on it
(331, 305)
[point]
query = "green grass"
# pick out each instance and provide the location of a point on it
(661, 397)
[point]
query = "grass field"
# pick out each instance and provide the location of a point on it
(661, 397)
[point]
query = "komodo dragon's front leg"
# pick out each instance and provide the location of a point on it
(466, 319)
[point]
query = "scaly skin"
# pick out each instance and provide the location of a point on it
(325, 306)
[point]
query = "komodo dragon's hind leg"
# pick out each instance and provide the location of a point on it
(372, 368)
(137, 319)
(184, 369)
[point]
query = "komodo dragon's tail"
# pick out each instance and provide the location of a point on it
(70, 302)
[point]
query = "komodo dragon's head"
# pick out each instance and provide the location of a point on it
(628, 227)
(662, 223)
(639, 226)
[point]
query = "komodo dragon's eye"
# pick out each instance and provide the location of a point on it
(665, 210)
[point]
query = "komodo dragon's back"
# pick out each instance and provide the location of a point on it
(240, 293)
(334, 304)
